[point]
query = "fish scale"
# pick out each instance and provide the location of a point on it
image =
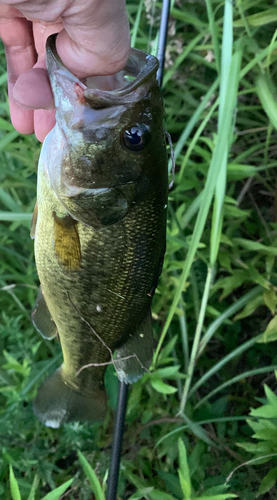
(99, 244)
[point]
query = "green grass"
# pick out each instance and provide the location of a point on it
(214, 311)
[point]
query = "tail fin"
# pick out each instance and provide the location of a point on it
(56, 403)
(135, 356)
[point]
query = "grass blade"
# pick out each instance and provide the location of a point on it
(93, 479)
(236, 352)
(13, 216)
(234, 380)
(57, 492)
(15, 493)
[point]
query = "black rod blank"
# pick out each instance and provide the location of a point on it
(163, 39)
(117, 441)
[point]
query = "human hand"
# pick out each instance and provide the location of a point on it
(93, 40)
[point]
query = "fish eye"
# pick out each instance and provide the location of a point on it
(134, 138)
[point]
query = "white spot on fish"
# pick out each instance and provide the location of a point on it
(141, 335)
(98, 308)
(165, 206)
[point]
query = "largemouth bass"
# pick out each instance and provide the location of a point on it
(99, 231)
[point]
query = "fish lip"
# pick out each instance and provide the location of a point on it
(140, 65)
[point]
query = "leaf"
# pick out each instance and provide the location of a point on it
(265, 411)
(271, 396)
(134, 397)
(168, 348)
(93, 479)
(229, 283)
(160, 495)
(225, 260)
(184, 472)
(268, 481)
(250, 307)
(270, 333)
(260, 19)
(224, 496)
(15, 493)
(270, 299)
(161, 387)
(255, 246)
(170, 372)
(267, 435)
(141, 494)
(57, 492)
(265, 90)
(185, 485)
(231, 211)
(220, 489)
(33, 488)
(238, 171)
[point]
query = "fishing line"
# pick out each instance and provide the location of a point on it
(123, 388)
(150, 6)
(113, 361)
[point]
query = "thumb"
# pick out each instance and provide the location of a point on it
(97, 45)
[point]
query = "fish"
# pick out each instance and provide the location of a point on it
(99, 229)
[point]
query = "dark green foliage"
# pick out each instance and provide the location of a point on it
(215, 306)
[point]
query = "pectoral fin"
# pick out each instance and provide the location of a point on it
(135, 356)
(34, 221)
(67, 242)
(41, 318)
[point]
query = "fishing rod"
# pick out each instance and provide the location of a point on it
(123, 387)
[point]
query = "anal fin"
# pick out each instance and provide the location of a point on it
(135, 356)
(42, 319)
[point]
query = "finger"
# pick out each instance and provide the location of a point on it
(44, 121)
(20, 54)
(9, 12)
(48, 11)
(32, 88)
(21, 118)
(95, 40)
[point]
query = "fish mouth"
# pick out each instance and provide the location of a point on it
(122, 87)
